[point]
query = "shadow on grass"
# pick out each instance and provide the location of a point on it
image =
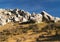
(49, 38)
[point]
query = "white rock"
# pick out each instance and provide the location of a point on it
(17, 19)
(37, 18)
(23, 16)
(47, 16)
(24, 20)
(57, 19)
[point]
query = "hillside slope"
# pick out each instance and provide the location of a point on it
(15, 32)
(21, 26)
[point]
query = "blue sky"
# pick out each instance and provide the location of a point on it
(50, 6)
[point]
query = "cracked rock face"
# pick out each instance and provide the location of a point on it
(13, 15)
(49, 18)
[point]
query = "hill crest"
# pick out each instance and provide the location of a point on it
(14, 15)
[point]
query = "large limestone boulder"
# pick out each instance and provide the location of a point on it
(27, 15)
(36, 17)
(57, 19)
(47, 17)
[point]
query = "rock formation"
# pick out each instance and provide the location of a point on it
(36, 17)
(13, 15)
(47, 17)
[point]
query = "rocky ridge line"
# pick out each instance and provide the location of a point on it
(13, 15)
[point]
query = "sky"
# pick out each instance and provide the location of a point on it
(50, 6)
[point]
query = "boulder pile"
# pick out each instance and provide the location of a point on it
(13, 15)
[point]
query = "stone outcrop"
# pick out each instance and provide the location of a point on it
(36, 17)
(47, 17)
(13, 15)
(57, 19)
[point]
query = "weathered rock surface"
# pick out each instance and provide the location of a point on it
(13, 15)
(47, 17)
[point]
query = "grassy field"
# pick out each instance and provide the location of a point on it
(33, 32)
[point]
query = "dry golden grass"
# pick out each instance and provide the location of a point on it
(15, 32)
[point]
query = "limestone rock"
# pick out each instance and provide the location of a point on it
(47, 17)
(36, 17)
(57, 19)
(13, 15)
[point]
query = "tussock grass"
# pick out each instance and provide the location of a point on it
(36, 32)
